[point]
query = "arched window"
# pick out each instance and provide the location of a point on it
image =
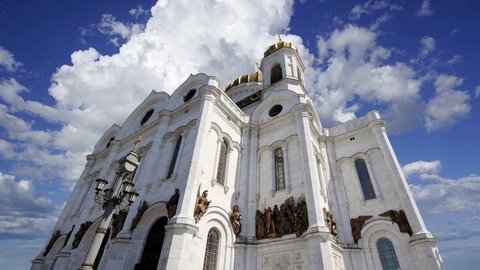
(211, 250)
(153, 246)
(365, 181)
(387, 255)
(279, 169)
(222, 162)
(275, 74)
(174, 157)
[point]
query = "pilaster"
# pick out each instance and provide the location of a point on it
(314, 202)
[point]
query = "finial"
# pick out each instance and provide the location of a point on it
(139, 139)
(279, 38)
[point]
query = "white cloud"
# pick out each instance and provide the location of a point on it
(425, 9)
(370, 6)
(477, 91)
(455, 59)
(448, 105)
(449, 196)
(350, 55)
(428, 45)
(19, 198)
(421, 168)
(7, 60)
(117, 30)
(160, 57)
(138, 11)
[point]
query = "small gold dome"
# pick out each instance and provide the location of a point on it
(277, 46)
(246, 78)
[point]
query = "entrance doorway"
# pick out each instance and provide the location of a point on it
(153, 246)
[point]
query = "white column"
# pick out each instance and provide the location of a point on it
(215, 164)
(408, 204)
(153, 156)
(177, 251)
(314, 203)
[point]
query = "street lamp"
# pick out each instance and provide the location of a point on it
(121, 194)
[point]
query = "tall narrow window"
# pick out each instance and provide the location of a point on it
(222, 162)
(279, 170)
(211, 251)
(365, 181)
(174, 157)
(275, 74)
(387, 255)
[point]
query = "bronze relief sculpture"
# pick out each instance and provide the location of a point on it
(356, 224)
(400, 218)
(235, 219)
(141, 210)
(172, 203)
(81, 232)
(287, 219)
(55, 235)
(331, 224)
(201, 205)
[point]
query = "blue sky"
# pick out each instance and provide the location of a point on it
(70, 69)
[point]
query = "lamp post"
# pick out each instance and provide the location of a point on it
(120, 194)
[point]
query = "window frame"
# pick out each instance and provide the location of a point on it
(387, 254)
(212, 248)
(365, 180)
(279, 169)
(173, 160)
(222, 162)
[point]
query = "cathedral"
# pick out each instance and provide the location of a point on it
(244, 177)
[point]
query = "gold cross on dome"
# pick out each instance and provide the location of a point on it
(279, 38)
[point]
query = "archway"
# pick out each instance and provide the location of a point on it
(153, 246)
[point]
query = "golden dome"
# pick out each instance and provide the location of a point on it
(246, 78)
(277, 46)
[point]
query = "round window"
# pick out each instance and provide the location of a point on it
(146, 117)
(189, 95)
(275, 110)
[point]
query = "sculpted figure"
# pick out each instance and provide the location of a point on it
(141, 210)
(172, 203)
(235, 219)
(400, 218)
(117, 223)
(302, 213)
(279, 222)
(269, 223)
(259, 225)
(288, 210)
(201, 206)
(356, 224)
(81, 232)
(55, 235)
(331, 224)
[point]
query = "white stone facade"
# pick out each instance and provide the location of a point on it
(318, 165)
